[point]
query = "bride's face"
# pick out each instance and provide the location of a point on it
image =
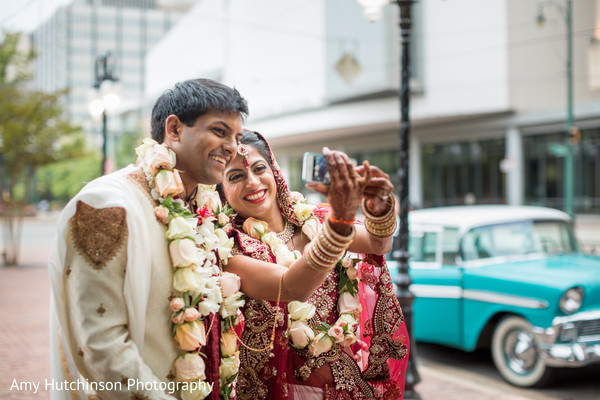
(251, 191)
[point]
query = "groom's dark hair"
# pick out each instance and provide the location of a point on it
(191, 99)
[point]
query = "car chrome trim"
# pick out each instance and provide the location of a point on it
(580, 316)
(507, 299)
(581, 351)
(456, 292)
(437, 291)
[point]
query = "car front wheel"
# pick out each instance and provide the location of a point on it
(516, 354)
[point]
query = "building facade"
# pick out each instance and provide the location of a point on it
(69, 42)
(488, 90)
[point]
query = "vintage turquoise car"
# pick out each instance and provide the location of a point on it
(507, 278)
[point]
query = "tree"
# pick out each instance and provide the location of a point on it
(33, 132)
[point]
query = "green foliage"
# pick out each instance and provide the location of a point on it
(14, 62)
(125, 148)
(33, 128)
(60, 181)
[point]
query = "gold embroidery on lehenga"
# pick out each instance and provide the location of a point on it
(387, 318)
(254, 367)
(98, 233)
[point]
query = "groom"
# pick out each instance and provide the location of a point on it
(110, 268)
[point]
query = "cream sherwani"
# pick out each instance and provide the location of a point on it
(111, 279)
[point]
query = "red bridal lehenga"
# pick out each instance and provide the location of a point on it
(372, 368)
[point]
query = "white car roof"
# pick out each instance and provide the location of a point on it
(466, 217)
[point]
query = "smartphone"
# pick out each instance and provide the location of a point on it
(314, 168)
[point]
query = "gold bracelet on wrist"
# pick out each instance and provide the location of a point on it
(327, 248)
(380, 226)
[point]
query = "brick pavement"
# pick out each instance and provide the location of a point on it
(24, 342)
(24, 332)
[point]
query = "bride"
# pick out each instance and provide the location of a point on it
(321, 320)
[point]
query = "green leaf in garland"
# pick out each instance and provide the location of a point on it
(196, 300)
(175, 326)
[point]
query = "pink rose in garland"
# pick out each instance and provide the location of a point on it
(254, 227)
(348, 303)
(320, 345)
(159, 157)
(168, 183)
(230, 284)
(184, 253)
(191, 335)
(190, 367)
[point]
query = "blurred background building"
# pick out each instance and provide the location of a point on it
(488, 90)
(68, 43)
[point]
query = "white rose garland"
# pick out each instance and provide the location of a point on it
(196, 253)
(300, 334)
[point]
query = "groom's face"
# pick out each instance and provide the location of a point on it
(206, 148)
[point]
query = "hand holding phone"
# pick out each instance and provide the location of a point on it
(314, 168)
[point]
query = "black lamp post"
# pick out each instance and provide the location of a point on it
(104, 72)
(402, 280)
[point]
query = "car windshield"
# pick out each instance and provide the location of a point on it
(518, 238)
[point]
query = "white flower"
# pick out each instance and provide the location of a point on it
(141, 150)
(301, 334)
(283, 255)
(229, 367)
(224, 245)
(299, 310)
(196, 391)
(185, 280)
(231, 304)
(349, 318)
(271, 239)
(303, 211)
(311, 227)
(209, 198)
(184, 253)
(212, 298)
(180, 227)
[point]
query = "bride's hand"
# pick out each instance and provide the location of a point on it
(378, 190)
(345, 190)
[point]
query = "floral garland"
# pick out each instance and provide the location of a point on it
(198, 246)
(300, 334)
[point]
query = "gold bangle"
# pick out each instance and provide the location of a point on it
(380, 226)
(391, 203)
(336, 238)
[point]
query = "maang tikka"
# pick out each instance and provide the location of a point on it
(243, 151)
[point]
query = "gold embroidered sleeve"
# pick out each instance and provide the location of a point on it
(96, 309)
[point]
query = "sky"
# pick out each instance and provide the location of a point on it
(25, 15)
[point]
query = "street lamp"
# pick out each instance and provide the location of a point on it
(106, 97)
(571, 132)
(405, 297)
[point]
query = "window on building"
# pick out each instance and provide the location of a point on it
(463, 173)
(544, 171)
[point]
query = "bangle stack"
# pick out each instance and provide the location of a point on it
(382, 226)
(327, 248)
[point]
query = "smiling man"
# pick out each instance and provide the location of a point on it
(110, 269)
